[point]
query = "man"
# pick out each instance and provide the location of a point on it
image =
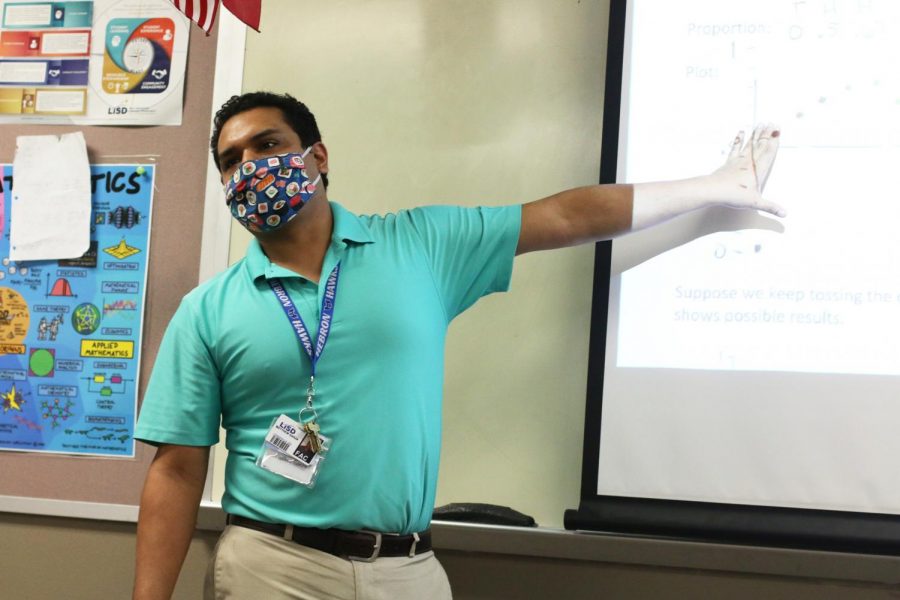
(329, 334)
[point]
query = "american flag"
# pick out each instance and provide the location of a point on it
(203, 12)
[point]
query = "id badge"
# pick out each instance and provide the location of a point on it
(288, 451)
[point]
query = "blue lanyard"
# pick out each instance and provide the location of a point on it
(325, 319)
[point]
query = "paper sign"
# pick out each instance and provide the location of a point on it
(50, 216)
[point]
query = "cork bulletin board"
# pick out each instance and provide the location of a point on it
(180, 156)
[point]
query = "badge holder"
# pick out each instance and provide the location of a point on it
(294, 449)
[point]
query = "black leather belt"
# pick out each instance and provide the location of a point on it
(354, 545)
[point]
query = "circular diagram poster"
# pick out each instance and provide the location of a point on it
(110, 62)
(138, 58)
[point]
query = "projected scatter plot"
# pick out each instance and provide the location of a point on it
(819, 69)
(739, 292)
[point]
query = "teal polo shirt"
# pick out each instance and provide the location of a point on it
(230, 353)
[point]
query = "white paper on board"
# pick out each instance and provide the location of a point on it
(51, 198)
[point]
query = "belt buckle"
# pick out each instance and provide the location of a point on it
(376, 550)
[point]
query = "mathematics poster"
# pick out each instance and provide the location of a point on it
(70, 330)
(92, 62)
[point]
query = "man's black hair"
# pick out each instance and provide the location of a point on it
(296, 114)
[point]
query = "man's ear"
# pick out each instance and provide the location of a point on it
(320, 153)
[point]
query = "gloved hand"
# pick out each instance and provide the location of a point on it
(737, 184)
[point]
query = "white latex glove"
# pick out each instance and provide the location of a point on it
(737, 184)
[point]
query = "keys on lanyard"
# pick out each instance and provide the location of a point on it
(311, 427)
(312, 431)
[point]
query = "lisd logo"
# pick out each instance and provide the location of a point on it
(288, 428)
(117, 110)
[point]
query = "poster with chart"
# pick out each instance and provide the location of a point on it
(70, 330)
(92, 62)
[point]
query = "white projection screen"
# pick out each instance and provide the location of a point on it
(745, 371)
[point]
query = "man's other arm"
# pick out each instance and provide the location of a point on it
(168, 516)
(599, 212)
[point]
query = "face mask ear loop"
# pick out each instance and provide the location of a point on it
(315, 182)
(315, 185)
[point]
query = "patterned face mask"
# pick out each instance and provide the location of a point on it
(265, 194)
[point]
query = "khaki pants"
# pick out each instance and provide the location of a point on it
(252, 565)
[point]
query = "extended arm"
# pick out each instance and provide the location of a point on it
(600, 212)
(167, 518)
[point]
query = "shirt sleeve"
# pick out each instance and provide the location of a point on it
(470, 250)
(182, 404)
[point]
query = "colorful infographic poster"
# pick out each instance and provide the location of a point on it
(70, 330)
(100, 62)
(29, 15)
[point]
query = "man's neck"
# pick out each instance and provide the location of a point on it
(301, 245)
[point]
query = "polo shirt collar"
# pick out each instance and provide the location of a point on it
(347, 229)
